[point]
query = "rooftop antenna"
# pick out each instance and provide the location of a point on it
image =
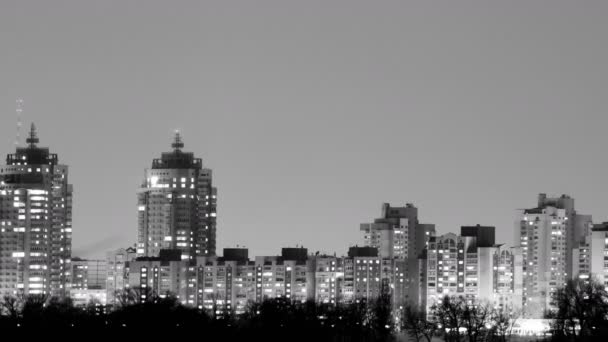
(178, 144)
(32, 140)
(18, 110)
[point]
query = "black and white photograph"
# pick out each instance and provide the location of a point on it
(304, 170)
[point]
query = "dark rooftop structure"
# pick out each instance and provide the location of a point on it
(236, 254)
(294, 253)
(562, 202)
(357, 251)
(485, 235)
(32, 154)
(177, 159)
(600, 227)
(165, 256)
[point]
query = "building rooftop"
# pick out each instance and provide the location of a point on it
(177, 159)
(32, 154)
(600, 227)
(357, 251)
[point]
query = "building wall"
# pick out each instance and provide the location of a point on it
(457, 267)
(88, 274)
(589, 259)
(550, 236)
(177, 206)
(84, 297)
(117, 269)
(35, 222)
(214, 283)
(398, 234)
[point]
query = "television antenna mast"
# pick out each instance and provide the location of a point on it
(19, 111)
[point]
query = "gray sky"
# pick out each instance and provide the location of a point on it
(313, 113)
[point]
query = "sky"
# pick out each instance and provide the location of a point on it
(313, 113)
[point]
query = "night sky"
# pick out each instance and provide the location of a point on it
(313, 113)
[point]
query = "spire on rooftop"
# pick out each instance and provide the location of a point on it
(32, 139)
(178, 144)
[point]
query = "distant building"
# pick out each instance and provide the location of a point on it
(117, 272)
(547, 235)
(376, 276)
(226, 283)
(177, 206)
(88, 274)
(84, 297)
(472, 266)
(589, 259)
(232, 281)
(166, 274)
(286, 276)
(484, 235)
(398, 235)
(35, 222)
(88, 282)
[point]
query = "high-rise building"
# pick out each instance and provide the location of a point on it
(35, 222)
(547, 235)
(369, 276)
(472, 266)
(177, 206)
(398, 234)
(499, 271)
(390, 233)
(589, 258)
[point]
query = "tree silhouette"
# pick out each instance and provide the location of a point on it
(503, 321)
(415, 322)
(581, 311)
(449, 313)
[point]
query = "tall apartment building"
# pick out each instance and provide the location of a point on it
(177, 206)
(498, 273)
(547, 235)
(398, 234)
(590, 258)
(472, 266)
(445, 268)
(373, 276)
(35, 222)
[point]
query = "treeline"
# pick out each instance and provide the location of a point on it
(453, 320)
(272, 319)
(580, 314)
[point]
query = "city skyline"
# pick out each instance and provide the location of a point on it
(177, 145)
(467, 113)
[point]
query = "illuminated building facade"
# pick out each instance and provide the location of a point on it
(589, 259)
(548, 235)
(472, 266)
(397, 234)
(232, 281)
(177, 206)
(117, 270)
(35, 222)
